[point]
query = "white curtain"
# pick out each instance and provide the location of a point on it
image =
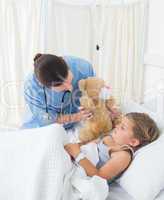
(121, 40)
(20, 38)
(70, 28)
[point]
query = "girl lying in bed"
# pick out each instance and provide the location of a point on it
(115, 152)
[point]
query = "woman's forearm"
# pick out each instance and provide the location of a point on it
(68, 118)
(83, 114)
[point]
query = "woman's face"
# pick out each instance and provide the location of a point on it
(123, 133)
(66, 85)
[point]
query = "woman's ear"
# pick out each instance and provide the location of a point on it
(134, 142)
(82, 85)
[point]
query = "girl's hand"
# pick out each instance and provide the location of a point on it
(96, 141)
(72, 149)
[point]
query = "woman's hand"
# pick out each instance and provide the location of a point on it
(72, 149)
(84, 114)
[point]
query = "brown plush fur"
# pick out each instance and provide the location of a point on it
(102, 121)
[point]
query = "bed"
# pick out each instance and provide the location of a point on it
(117, 193)
(28, 173)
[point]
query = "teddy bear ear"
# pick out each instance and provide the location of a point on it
(82, 84)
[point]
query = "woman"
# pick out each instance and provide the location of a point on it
(52, 93)
(116, 150)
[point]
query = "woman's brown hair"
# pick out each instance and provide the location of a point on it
(50, 70)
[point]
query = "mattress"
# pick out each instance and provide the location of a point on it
(116, 192)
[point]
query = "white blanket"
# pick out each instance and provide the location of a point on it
(35, 166)
(77, 185)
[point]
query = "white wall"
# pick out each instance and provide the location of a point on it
(154, 54)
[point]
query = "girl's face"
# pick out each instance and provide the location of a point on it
(123, 133)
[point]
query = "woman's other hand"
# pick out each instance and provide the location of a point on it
(84, 113)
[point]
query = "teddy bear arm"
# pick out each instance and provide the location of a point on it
(86, 102)
(117, 119)
(108, 127)
(110, 103)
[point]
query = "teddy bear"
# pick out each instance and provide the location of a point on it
(105, 114)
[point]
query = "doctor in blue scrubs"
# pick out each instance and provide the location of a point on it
(52, 92)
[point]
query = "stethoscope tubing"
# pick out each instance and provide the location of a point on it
(62, 101)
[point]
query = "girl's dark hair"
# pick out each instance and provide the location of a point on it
(50, 70)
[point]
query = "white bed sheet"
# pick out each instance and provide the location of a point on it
(118, 193)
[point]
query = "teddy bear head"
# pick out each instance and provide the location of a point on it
(91, 87)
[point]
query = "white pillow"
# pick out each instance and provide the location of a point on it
(131, 106)
(145, 176)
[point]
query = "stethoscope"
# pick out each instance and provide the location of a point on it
(47, 114)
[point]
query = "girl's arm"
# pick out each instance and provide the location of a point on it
(117, 164)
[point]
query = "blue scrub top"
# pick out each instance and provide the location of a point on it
(35, 98)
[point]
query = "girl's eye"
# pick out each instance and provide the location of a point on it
(122, 127)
